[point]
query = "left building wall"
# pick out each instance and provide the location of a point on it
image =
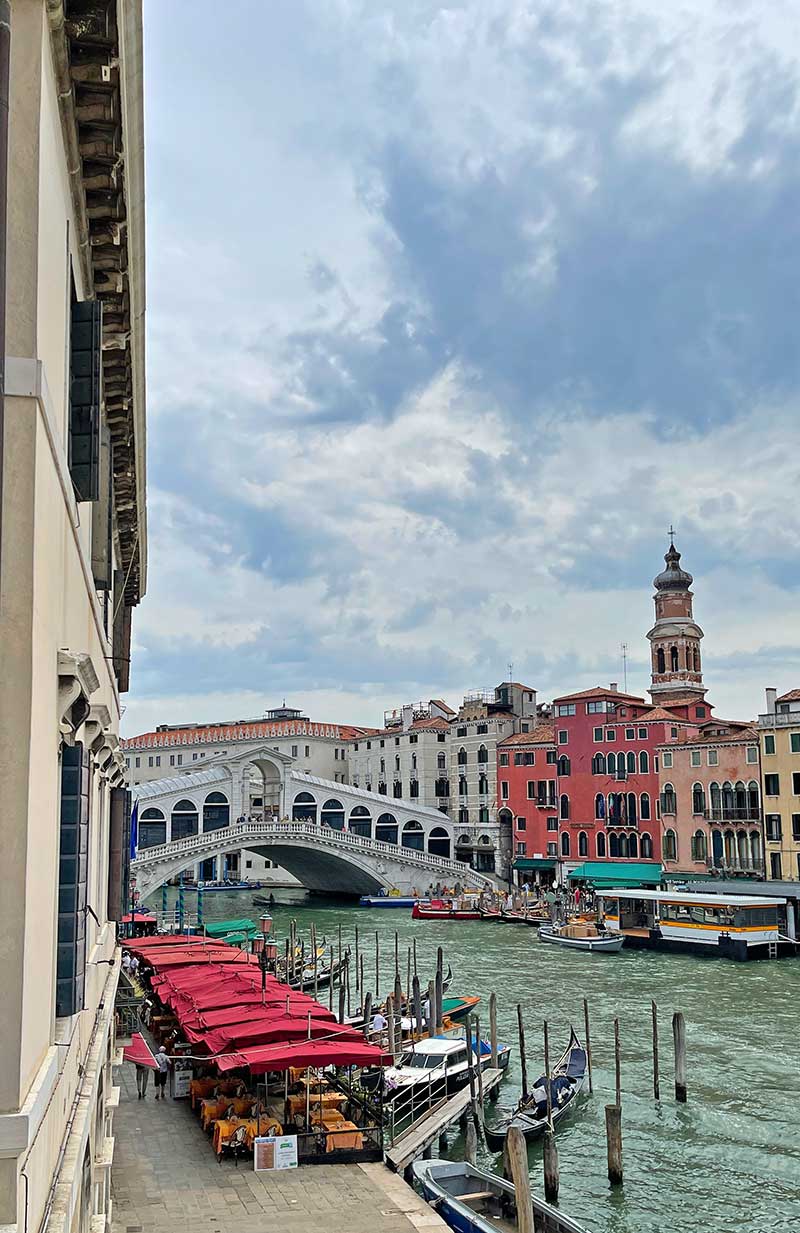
(58, 687)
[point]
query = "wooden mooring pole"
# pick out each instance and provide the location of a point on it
(367, 1015)
(439, 986)
(417, 1026)
(342, 995)
(588, 1041)
(614, 1119)
(479, 1060)
(493, 1041)
(315, 960)
(656, 1082)
(550, 1151)
(358, 967)
(431, 1015)
(330, 984)
(390, 1022)
(518, 1164)
(523, 1065)
(377, 965)
(679, 1040)
(617, 1070)
(471, 1144)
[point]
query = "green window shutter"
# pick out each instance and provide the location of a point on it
(85, 396)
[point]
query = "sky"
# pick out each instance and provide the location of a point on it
(453, 309)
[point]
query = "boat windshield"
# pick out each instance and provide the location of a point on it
(424, 1060)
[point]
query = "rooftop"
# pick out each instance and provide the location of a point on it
(792, 696)
(242, 730)
(599, 691)
(543, 734)
(743, 901)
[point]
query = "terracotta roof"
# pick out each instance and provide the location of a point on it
(792, 696)
(658, 712)
(598, 692)
(543, 734)
(519, 685)
(742, 735)
(212, 734)
(436, 723)
(443, 705)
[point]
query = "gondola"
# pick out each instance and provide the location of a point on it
(472, 1200)
(567, 1080)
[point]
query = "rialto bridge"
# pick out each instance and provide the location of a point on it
(330, 836)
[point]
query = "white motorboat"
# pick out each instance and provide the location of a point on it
(582, 936)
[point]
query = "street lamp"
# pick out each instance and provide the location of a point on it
(263, 958)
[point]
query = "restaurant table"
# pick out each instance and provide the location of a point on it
(333, 1100)
(225, 1129)
(343, 1135)
(201, 1087)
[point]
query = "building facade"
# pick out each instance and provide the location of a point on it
(528, 801)
(710, 801)
(779, 733)
(73, 553)
(409, 756)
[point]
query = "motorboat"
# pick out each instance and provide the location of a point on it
(440, 1062)
(582, 935)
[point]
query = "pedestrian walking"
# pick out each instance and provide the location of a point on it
(142, 1077)
(162, 1059)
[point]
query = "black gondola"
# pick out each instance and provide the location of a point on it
(567, 1079)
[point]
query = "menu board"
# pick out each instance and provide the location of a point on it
(274, 1152)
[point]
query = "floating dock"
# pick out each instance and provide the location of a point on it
(424, 1133)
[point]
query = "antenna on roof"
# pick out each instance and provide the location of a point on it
(510, 672)
(623, 646)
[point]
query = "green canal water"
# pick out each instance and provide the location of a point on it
(728, 1161)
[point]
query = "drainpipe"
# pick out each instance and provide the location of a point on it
(5, 74)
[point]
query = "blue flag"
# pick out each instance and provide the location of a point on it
(134, 829)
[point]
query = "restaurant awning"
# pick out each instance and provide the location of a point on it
(535, 862)
(603, 875)
(272, 1031)
(139, 1052)
(302, 1054)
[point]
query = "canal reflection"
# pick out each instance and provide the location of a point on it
(727, 1162)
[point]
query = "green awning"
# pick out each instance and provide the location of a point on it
(220, 928)
(605, 874)
(534, 862)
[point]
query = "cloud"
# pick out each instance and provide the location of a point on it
(453, 310)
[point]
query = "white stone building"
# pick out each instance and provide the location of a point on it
(73, 552)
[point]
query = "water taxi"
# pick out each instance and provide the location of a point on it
(734, 927)
(579, 935)
(440, 1060)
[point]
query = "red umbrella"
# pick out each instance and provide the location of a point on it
(304, 1053)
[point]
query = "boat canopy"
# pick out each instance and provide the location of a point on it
(605, 874)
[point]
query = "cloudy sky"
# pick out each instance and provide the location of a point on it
(453, 309)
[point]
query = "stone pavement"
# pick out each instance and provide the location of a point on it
(166, 1179)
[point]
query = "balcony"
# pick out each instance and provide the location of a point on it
(724, 813)
(780, 719)
(549, 802)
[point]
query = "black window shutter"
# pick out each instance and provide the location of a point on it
(73, 865)
(85, 397)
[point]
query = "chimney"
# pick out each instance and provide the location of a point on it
(772, 701)
(408, 717)
(613, 687)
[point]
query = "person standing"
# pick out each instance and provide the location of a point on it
(142, 1078)
(162, 1059)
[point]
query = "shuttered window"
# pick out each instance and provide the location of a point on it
(85, 396)
(73, 862)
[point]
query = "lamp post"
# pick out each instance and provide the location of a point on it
(263, 958)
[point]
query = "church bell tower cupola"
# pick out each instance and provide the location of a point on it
(675, 638)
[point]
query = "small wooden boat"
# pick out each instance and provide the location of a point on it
(457, 1009)
(472, 1200)
(579, 936)
(567, 1079)
(442, 909)
(264, 901)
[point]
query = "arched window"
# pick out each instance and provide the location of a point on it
(743, 849)
(740, 795)
(565, 843)
(562, 766)
(216, 812)
(696, 659)
(647, 847)
(673, 658)
(623, 846)
(689, 658)
(612, 764)
(661, 665)
(397, 789)
(483, 754)
(333, 815)
(152, 828)
(386, 828)
(601, 844)
(716, 800)
(644, 806)
(413, 762)
(727, 800)
(755, 849)
(442, 787)
(439, 842)
(483, 785)
(612, 807)
(599, 805)
(304, 808)
(563, 806)
(669, 801)
(730, 849)
(184, 819)
(599, 764)
(633, 845)
(699, 847)
(360, 821)
(644, 762)
(413, 836)
(397, 762)
(441, 762)
(753, 804)
(462, 785)
(613, 845)
(583, 844)
(630, 808)
(462, 756)
(483, 813)
(383, 766)
(631, 758)
(670, 846)
(698, 798)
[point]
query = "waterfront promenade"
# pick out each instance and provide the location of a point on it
(166, 1179)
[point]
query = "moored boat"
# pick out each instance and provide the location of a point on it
(440, 1060)
(387, 901)
(445, 909)
(582, 936)
(472, 1200)
(567, 1080)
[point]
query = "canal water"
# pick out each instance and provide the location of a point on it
(728, 1161)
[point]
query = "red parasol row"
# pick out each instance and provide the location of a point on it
(302, 1054)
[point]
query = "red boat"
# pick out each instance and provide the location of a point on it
(440, 909)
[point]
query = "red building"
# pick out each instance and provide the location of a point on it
(607, 763)
(527, 790)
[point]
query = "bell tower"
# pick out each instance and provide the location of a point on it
(677, 672)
